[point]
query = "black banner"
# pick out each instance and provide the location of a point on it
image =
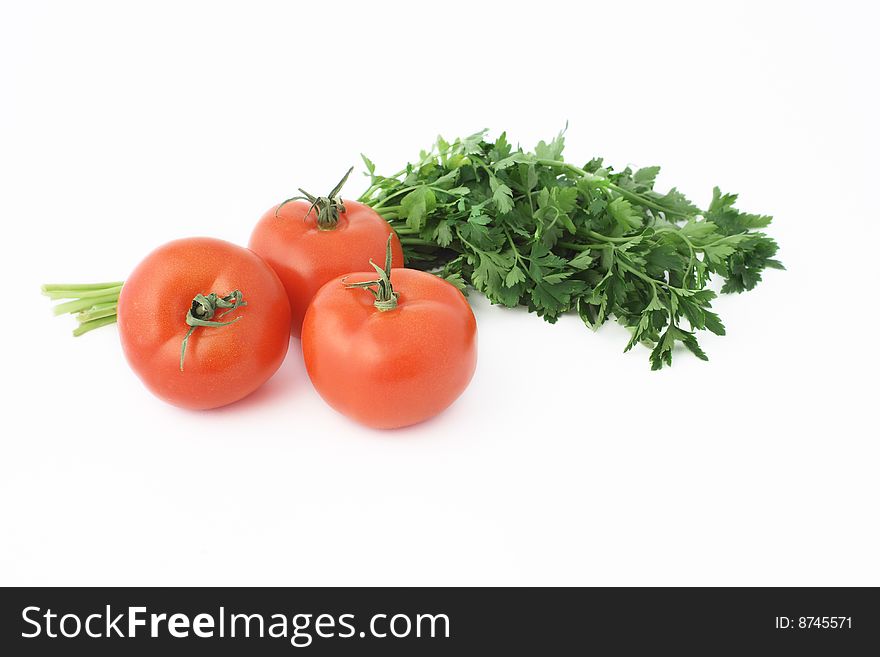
(414, 621)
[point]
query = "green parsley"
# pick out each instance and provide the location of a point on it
(528, 228)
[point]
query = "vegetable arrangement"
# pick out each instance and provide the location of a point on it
(204, 322)
(528, 228)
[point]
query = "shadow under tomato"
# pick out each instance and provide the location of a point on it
(289, 377)
(424, 430)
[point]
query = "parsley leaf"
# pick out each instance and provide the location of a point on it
(527, 228)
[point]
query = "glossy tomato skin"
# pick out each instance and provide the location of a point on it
(223, 364)
(394, 368)
(305, 257)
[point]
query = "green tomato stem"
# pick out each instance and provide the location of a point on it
(202, 310)
(385, 298)
(327, 208)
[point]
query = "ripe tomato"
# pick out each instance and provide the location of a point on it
(309, 242)
(396, 366)
(178, 291)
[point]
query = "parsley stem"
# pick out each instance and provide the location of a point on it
(81, 294)
(416, 241)
(466, 243)
(365, 197)
(690, 245)
(582, 247)
(648, 279)
(606, 238)
(401, 228)
(94, 304)
(636, 272)
(91, 325)
(78, 287)
(604, 182)
(406, 190)
(516, 253)
(381, 203)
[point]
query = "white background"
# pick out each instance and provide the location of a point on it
(126, 125)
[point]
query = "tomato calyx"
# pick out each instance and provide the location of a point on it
(201, 313)
(384, 294)
(328, 207)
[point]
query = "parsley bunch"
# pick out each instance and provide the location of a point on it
(528, 228)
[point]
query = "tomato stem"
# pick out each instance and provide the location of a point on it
(202, 310)
(328, 207)
(384, 294)
(93, 304)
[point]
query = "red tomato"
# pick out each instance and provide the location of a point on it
(396, 367)
(306, 256)
(221, 364)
